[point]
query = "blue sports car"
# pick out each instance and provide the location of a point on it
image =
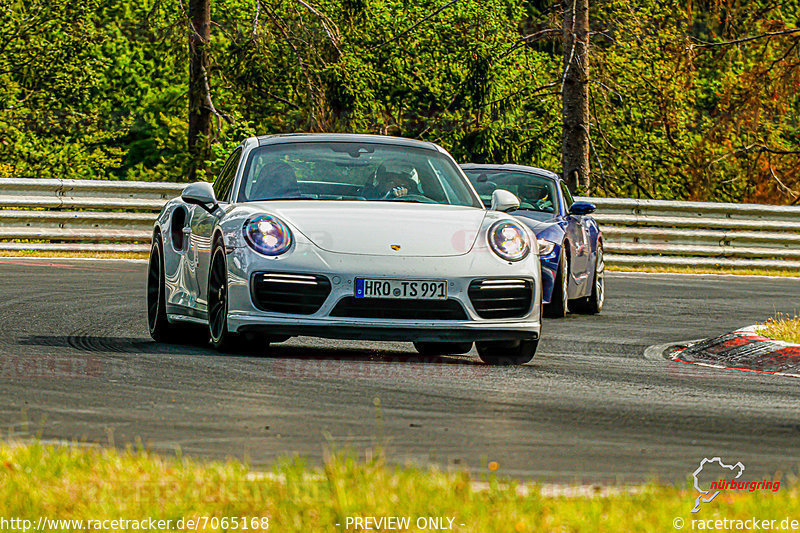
(570, 241)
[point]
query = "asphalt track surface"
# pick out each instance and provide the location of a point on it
(76, 364)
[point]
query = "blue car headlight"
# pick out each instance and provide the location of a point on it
(267, 235)
(545, 247)
(509, 241)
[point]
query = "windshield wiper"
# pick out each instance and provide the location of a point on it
(408, 200)
(280, 198)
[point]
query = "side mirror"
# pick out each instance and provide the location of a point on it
(202, 194)
(582, 208)
(503, 200)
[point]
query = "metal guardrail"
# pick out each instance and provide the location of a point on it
(80, 215)
(88, 215)
(668, 233)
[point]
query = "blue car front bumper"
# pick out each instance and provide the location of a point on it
(549, 270)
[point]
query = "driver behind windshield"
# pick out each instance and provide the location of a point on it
(535, 196)
(393, 180)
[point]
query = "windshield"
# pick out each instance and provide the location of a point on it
(353, 171)
(535, 193)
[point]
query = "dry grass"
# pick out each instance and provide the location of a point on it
(706, 270)
(783, 328)
(74, 255)
(612, 268)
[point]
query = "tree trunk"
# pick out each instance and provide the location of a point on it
(575, 95)
(199, 111)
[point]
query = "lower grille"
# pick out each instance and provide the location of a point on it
(399, 309)
(297, 294)
(501, 298)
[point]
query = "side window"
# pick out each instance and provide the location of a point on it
(224, 183)
(567, 195)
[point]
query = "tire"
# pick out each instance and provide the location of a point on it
(442, 348)
(157, 323)
(559, 303)
(507, 352)
(219, 336)
(593, 304)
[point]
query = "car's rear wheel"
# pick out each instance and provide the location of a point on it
(593, 304)
(559, 302)
(442, 348)
(507, 352)
(158, 324)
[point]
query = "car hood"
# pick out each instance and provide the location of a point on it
(373, 228)
(544, 225)
(535, 219)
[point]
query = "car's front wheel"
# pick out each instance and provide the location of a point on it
(507, 352)
(442, 348)
(219, 335)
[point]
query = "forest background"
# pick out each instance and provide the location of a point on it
(692, 100)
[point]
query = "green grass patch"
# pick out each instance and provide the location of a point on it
(79, 483)
(782, 328)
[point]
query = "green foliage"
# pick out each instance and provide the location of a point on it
(99, 89)
(677, 118)
(89, 90)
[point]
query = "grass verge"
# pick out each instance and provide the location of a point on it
(74, 255)
(76, 483)
(706, 270)
(612, 268)
(782, 328)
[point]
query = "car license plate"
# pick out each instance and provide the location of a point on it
(408, 289)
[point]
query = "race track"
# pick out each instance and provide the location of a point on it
(76, 364)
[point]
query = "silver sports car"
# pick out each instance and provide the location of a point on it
(346, 236)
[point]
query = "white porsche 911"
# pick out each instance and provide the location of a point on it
(350, 237)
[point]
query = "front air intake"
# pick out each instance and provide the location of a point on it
(296, 294)
(383, 308)
(501, 298)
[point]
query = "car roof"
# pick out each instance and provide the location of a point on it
(515, 168)
(346, 137)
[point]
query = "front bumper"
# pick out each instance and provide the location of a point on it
(342, 269)
(408, 331)
(549, 271)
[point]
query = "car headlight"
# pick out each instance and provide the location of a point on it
(545, 247)
(509, 241)
(267, 235)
